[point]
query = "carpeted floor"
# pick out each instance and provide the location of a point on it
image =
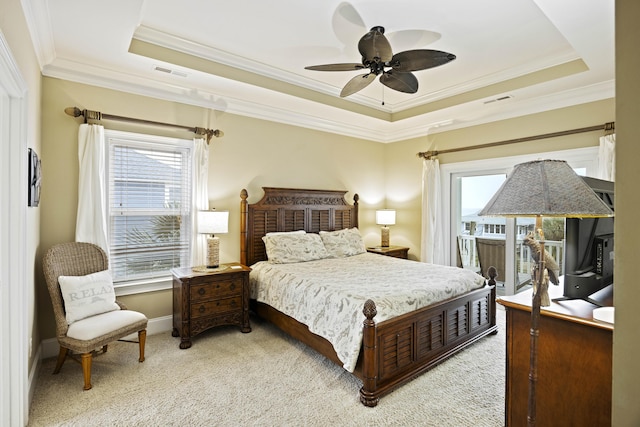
(263, 378)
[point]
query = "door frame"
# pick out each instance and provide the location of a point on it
(14, 377)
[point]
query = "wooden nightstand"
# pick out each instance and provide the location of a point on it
(203, 300)
(394, 251)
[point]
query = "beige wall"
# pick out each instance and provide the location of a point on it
(252, 154)
(14, 30)
(626, 340)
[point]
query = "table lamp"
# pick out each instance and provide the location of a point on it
(385, 217)
(213, 222)
(538, 189)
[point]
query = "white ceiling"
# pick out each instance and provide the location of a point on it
(248, 57)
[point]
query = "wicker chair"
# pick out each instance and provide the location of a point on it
(80, 259)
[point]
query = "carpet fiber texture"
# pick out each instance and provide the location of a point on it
(263, 378)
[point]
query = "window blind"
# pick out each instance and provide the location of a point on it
(149, 208)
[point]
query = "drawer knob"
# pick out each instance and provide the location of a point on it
(202, 309)
(233, 286)
(233, 303)
(201, 291)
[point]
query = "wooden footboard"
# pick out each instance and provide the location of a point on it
(395, 351)
(398, 349)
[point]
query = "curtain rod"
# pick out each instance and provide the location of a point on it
(97, 115)
(607, 127)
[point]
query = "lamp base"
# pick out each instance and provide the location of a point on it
(384, 233)
(213, 252)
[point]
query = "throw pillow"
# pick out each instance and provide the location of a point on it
(343, 243)
(88, 295)
(294, 247)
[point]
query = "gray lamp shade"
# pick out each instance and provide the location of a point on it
(545, 188)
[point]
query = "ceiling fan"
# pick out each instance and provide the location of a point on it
(377, 55)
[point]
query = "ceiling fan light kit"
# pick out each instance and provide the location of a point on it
(377, 55)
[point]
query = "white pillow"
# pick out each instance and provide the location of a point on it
(88, 295)
(343, 243)
(294, 247)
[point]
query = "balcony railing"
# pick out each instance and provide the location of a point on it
(524, 262)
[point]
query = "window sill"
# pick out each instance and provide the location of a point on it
(142, 286)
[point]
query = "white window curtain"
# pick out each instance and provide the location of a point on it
(91, 222)
(432, 220)
(607, 158)
(200, 198)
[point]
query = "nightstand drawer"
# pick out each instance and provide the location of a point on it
(216, 289)
(216, 306)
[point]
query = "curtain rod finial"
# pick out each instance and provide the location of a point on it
(73, 111)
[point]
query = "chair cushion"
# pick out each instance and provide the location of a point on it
(88, 295)
(102, 324)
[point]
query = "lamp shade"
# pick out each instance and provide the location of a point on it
(386, 217)
(213, 222)
(545, 188)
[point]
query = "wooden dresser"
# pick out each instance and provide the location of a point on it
(574, 362)
(203, 300)
(394, 251)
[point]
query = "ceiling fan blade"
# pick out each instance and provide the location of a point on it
(402, 82)
(419, 59)
(347, 23)
(356, 84)
(335, 67)
(375, 45)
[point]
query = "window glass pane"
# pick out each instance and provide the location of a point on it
(149, 208)
(475, 192)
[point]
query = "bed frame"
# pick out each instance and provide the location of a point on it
(393, 351)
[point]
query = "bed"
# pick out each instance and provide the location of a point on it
(390, 350)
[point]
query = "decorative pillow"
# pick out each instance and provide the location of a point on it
(294, 247)
(88, 295)
(343, 243)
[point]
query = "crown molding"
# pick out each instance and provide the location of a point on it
(36, 14)
(369, 129)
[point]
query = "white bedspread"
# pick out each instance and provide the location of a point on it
(328, 295)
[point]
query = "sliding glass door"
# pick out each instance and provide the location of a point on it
(479, 242)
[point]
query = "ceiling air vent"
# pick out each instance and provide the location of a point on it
(170, 71)
(500, 98)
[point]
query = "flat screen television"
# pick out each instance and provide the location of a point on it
(589, 252)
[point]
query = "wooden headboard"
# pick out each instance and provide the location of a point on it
(290, 209)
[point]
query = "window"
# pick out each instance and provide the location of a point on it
(468, 186)
(149, 202)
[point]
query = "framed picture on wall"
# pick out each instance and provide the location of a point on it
(34, 179)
